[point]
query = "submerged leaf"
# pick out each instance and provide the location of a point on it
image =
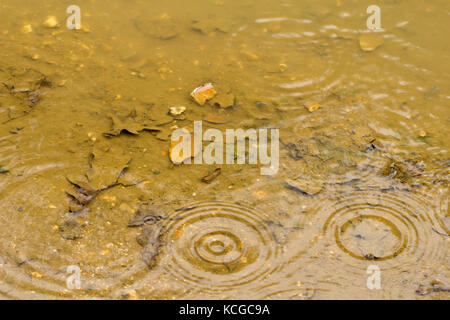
(130, 125)
(306, 186)
(370, 41)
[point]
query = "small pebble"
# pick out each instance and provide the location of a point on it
(51, 22)
(175, 111)
(26, 28)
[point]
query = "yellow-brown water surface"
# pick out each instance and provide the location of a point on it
(364, 163)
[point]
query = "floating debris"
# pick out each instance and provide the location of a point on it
(305, 186)
(212, 175)
(370, 41)
(203, 93)
(3, 170)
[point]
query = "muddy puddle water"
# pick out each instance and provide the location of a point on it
(86, 182)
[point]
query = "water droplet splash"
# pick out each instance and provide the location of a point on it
(220, 246)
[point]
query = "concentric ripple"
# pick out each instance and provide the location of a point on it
(34, 258)
(399, 232)
(220, 246)
(382, 226)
